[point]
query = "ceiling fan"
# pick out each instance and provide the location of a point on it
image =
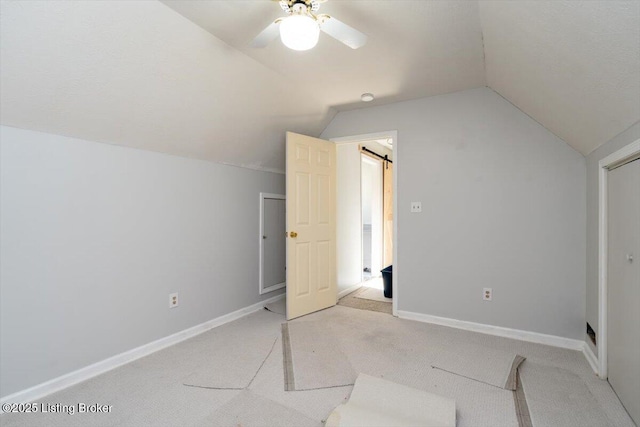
(300, 29)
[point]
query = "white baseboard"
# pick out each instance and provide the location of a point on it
(349, 290)
(591, 358)
(41, 390)
(499, 331)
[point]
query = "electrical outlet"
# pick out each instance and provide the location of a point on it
(487, 294)
(173, 300)
(416, 207)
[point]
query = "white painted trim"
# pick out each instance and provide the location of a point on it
(349, 290)
(393, 134)
(394, 273)
(41, 390)
(367, 137)
(591, 358)
(625, 152)
(261, 289)
(250, 167)
(628, 151)
(498, 331)
(602, 272)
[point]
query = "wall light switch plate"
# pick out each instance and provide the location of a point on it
(416, 206)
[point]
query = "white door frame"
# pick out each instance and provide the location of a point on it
(627, 152)
(261, 288)
(393, 134)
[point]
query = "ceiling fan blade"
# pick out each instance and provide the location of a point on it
(342, 32)
(267, 35)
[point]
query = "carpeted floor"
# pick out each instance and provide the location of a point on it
(354, 301)
(373, 294)
(151, 391)
(315, 357)
(487, 365)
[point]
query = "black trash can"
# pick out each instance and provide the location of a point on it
(386, 278)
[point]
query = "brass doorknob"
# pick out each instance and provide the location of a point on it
(293, 234)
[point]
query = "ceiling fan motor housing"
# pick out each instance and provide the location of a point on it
(300, 6)
(300, 29)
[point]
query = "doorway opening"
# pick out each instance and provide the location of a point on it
(365, 222)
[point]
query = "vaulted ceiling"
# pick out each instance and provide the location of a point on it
(179, 77)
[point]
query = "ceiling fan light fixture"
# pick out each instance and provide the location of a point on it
(299, 32)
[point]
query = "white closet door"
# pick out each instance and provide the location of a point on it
(623, 311)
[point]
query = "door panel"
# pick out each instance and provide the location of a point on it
(324, 157)
(311, 225)
(623, 283)
(302, 271)
(303, 199)
(326, 209)
(324, 260)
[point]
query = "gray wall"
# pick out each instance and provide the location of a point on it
(95, 237)
(503, 206)
(630, 135)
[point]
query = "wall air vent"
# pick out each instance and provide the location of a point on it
(591, 333)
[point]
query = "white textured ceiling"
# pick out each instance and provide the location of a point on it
(136, 73)
(414, 48)
(574, 66)
(179, 77)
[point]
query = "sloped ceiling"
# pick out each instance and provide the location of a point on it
(574, 66)
(178, 77)
(414, 48)
(136, 73)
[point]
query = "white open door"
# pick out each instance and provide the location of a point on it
(311, 225)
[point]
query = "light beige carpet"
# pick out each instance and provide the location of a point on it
(313, 358)
(251, 410)
(351, 300)
(150, 390)
(402, 351)
(551, 390)
(278, 307)
(485, 364)
(374, 294)
(236, 369)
